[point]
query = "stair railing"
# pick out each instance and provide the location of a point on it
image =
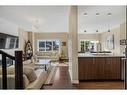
(18, 69)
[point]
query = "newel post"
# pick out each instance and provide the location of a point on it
(18, 70)
(4, 72)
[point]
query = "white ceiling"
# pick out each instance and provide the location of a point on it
(55, 18)
(50, 18)
(102, 22)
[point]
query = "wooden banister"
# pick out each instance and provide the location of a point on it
(7, 55)
(18, 69)
(4, 72)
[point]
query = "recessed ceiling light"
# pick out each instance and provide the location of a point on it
(85, 14)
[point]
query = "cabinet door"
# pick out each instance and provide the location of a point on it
(89, 69)
(85, 68)
(108, 68)
(99, 71)
(81, 68)
(113, 68)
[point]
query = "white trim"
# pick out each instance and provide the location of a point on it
(75, 81)
(44, 40)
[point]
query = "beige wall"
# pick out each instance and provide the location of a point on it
(63, 37)
(30, 36)
(91, 37)
(23, 38)
(119, 33)
(122, 36)
(116, 33)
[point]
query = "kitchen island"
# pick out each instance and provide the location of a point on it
(99, 66)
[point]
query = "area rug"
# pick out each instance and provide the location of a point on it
(51, 76)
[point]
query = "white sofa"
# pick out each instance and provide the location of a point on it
(41, 76)
(54, 56)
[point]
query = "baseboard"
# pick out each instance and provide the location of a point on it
(75, 81)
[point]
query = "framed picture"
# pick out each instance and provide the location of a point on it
(123, 42)
(63, 43)
(110, 42)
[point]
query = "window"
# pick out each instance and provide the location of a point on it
(48, 45)
(11, 42)
(86, 45)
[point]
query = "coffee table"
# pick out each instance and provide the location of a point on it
(43, 62)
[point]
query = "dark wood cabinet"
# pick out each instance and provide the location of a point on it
(99, 68)
(113, 68)
(86, 70)
(99, 63)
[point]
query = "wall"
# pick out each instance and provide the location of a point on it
(91, 37)
(63, 37)
(23, 38)
(122, 36)
(8, 27)
(116, 33)
(119, 33)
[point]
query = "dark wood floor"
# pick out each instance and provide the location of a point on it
(62, 81)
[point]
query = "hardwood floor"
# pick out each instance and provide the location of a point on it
(62, 81)
(101, 85)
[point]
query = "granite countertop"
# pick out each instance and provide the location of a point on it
(98, 55)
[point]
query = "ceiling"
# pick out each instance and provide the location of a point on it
(46, 18)
(55, 18)
(102, 22)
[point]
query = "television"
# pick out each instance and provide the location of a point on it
(8, 41)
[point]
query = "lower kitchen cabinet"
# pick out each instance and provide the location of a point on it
(86, 70)
(99, 64)
(99, 68)
(113, 68)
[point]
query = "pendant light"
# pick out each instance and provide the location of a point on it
(85, 14)
(97, 30)
(97, 14)
(109, 14)
(84, 30)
